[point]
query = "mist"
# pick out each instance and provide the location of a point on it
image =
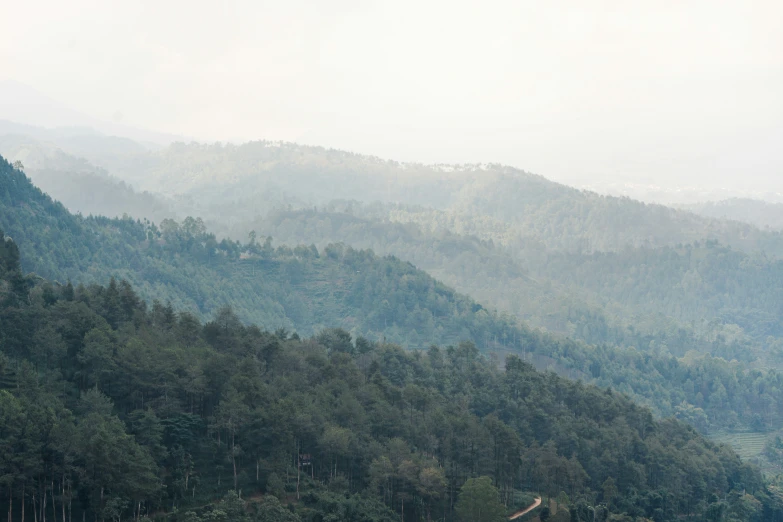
(607, 95)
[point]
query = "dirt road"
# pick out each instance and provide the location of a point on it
(527, 510)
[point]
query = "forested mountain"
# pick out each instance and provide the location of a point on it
(528, 225)
(301, 288)
(113, 409)
(307, 289)
(77, 183)
(700, 296)
(760, 213)
(234, 177)
(225, 183)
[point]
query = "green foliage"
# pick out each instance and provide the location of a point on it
(147, 410)
(306, 290)
(478, 501)
(271, 510)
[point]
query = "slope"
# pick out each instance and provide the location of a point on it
(77, 183)
(234, 182)
(306, 289)
(700, 297)
(301, 289)
(762, 214)
(115, 409)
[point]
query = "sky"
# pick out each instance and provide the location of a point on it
(671, 92)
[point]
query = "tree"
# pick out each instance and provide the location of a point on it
(479, 502)
(609, 488)
(231, 415)
(271, 510)
(431, 485)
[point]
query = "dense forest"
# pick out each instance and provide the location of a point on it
(702, 296)
(113, 409)
(67, 176)
(305, 289)
(763, 214)
(541, 242)
(226, 184)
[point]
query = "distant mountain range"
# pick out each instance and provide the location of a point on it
(22, 103)
(637, 329)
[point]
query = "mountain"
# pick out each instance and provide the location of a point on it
(299, 288)
(78, 184)
(306, 289)
(109, 407)
(763, 214)
(28, 106)
(234, 182)
(229, 184)
(526, 226)
(701, 296)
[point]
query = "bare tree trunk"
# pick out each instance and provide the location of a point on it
(234, 463)
(10, 501)
(298, 468)
(234, 459)
(23, 488)
(54, 503)
(62, 489)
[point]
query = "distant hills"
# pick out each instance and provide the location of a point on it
(116, 407)
(22, 103)
(307, 289)
(762, 214)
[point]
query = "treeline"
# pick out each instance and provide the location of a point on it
(306, 289)
(701, 297)
(762, 214)
(301, 288)
(111, 409)
(226, 183)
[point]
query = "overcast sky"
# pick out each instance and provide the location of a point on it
(674, 91)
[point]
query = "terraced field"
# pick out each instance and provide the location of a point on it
(748, 445)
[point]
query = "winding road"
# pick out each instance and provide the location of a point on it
(527, 510)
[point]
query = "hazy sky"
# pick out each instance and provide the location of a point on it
(667, 90)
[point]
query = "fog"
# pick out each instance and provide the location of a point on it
(675, 94)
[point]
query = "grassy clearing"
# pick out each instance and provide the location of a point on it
(748, 445)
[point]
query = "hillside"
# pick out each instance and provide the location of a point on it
(701, 297)
(527, 227)
(299, 289)
(305, 289)
(232, 177)
(760, 213)
(112, 408)
(228, 184)
(75, 182)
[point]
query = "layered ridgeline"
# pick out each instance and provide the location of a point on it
(546, 261)
(111, 409)
(305, 290)
(233, 183)
(763, 214)
(301, 289)
(702, 297)
(75, 182)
